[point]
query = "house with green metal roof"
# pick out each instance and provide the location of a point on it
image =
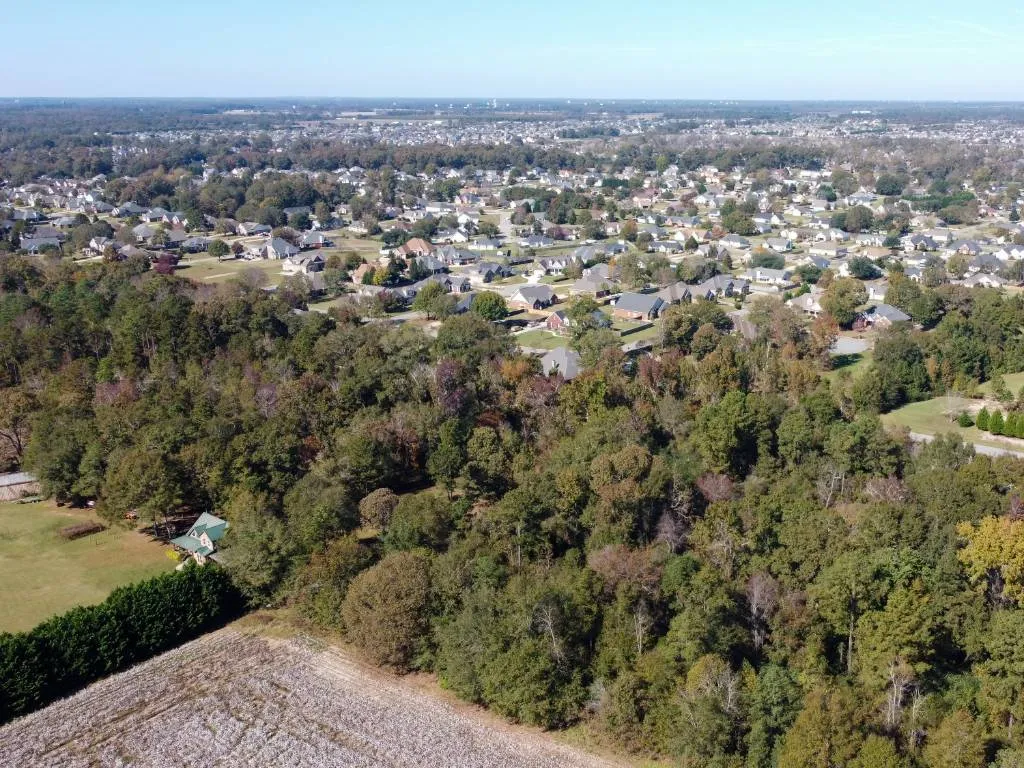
(201, 540)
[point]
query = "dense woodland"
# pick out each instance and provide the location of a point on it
(714, 555)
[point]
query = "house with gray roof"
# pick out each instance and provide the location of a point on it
(36, 244)
(638, 306)
(781, 278)
(277, 248)
(532, 297)
(562, 360)
(430, 264)
(884, 316)
(675, 293)
(721, 285)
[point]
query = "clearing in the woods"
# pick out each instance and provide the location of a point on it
(43, 574)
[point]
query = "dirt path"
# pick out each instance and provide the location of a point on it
(237, 698)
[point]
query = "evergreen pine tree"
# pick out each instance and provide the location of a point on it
(982, 419)
(1010, 425)
(996, 424)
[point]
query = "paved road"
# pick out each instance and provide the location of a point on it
(985, 450)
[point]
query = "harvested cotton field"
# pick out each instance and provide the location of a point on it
(237, 698)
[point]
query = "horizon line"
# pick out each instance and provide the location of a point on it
(567, 99)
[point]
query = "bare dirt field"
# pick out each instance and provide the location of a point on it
(239, 698)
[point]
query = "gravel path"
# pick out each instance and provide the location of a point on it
(237, 699)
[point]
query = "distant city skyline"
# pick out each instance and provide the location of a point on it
(740, 50)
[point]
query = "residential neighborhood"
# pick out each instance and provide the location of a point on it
(693, 426)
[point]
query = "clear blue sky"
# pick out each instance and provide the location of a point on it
(716, 49)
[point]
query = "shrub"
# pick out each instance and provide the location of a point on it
(965, 420)
(376, 508)
(996, 424)
(70, 651)
(982, 420)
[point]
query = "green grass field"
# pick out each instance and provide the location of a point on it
(932, 417)
(540, 339)
(1014, 381)
(206, 270)
(853, 364)
(42, 574)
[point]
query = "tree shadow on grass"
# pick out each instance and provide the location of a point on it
(845, 361)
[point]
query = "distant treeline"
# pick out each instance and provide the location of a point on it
(68, 652)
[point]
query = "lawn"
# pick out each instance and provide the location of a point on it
(854, 364)
(42, 575)
(207, 270)
(931, 417)
(539, 339)
(1014, 381)
(651, 333)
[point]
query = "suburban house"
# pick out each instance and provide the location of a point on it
(779, 244)
(808, 303)
(777, 277)
(918, 243)
(720, 285)
(430, 264)
(593, 285)
(250, 228)
(874, 240)
(416, 246)
(883, 316)
(562, 360)
(963, 247)
(143, 233)
(450, 236)
(675, 293)
(450, 283)
(560, 322)
(485, 272)
(985, 280)
(275, 249)
(99, 244)
(303, 265)
(828, 250)
(201, 540)
(537, 241)
(816, 261)
(638, 306)
(314, 240)
(532, 297)
(36, 244)
(486, 244)
(558, 264)
(454, 257)
(195, 244)
(736, 241)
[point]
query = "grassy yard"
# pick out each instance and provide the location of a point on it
(932, 417)
(42, 574)
(853, 364)
(323, 306)
(653, 333)
(212, 271)
(539, 339)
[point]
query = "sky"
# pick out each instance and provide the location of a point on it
(719, 49)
